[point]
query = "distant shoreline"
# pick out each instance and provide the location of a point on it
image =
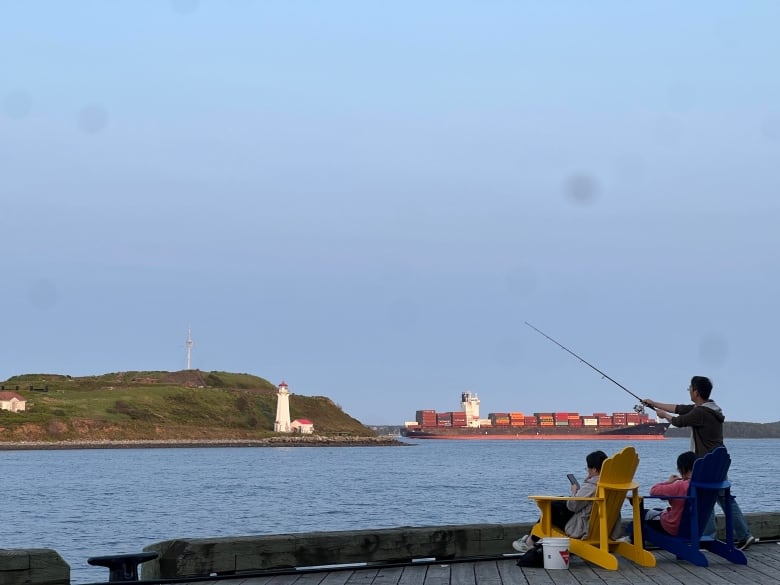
(296, 441)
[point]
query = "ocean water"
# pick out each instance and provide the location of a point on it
(86, 503)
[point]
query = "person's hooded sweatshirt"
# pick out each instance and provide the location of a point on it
(706, 422)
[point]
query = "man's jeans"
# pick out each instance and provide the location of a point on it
(741, 530)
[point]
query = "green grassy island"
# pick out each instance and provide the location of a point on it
(188, 406)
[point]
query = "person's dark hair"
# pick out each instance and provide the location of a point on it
(595, 459)
(702, 385)
(685, 462)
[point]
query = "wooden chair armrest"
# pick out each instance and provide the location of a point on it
(566, 498)
(668, 497)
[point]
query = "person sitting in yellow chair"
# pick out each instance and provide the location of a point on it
(572, 516)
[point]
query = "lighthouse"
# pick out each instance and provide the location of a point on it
(282, 424)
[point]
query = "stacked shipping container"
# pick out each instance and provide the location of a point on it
(517, 419)
(459, 419)
(499, 419)
(426, 418)
(443, 419)
(546, 419)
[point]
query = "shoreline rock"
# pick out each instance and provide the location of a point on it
(289, 441)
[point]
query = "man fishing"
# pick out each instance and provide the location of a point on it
(705, 419)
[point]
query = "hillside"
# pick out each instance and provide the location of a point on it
(184, 405)
(737, 430)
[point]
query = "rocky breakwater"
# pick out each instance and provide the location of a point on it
(276, 441)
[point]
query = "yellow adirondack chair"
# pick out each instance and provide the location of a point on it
(616, 480)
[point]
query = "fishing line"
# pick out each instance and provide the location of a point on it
(638, 407)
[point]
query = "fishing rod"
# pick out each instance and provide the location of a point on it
(638, 408)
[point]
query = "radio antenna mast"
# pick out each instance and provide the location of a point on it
(188, 344)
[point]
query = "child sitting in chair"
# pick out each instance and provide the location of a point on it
(668, 519)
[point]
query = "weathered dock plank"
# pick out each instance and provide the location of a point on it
(485, 574)
(509, 573)
(362, 577)
(413, 575)
(463, 573)
(388, 576)
(438, 575)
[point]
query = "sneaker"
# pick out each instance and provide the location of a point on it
(521, 544)
(627, 539)
(745, 544)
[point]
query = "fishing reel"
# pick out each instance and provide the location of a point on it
(639, 408)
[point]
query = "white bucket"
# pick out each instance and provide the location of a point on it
(556, 553)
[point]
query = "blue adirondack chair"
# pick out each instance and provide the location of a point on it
(707, 479)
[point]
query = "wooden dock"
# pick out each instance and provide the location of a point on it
(763, 568)
(433, 555)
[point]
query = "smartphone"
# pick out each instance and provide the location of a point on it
(573, 480)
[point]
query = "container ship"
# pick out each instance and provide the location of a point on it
(467, 424)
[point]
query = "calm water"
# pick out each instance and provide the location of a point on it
(84, 503)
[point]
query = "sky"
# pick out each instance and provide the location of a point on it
(370, 200)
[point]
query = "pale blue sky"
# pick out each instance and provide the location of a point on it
(369, 199)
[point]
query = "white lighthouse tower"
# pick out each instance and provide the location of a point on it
(282, 424)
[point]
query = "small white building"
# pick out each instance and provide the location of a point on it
(302, 426)
(12, 401)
